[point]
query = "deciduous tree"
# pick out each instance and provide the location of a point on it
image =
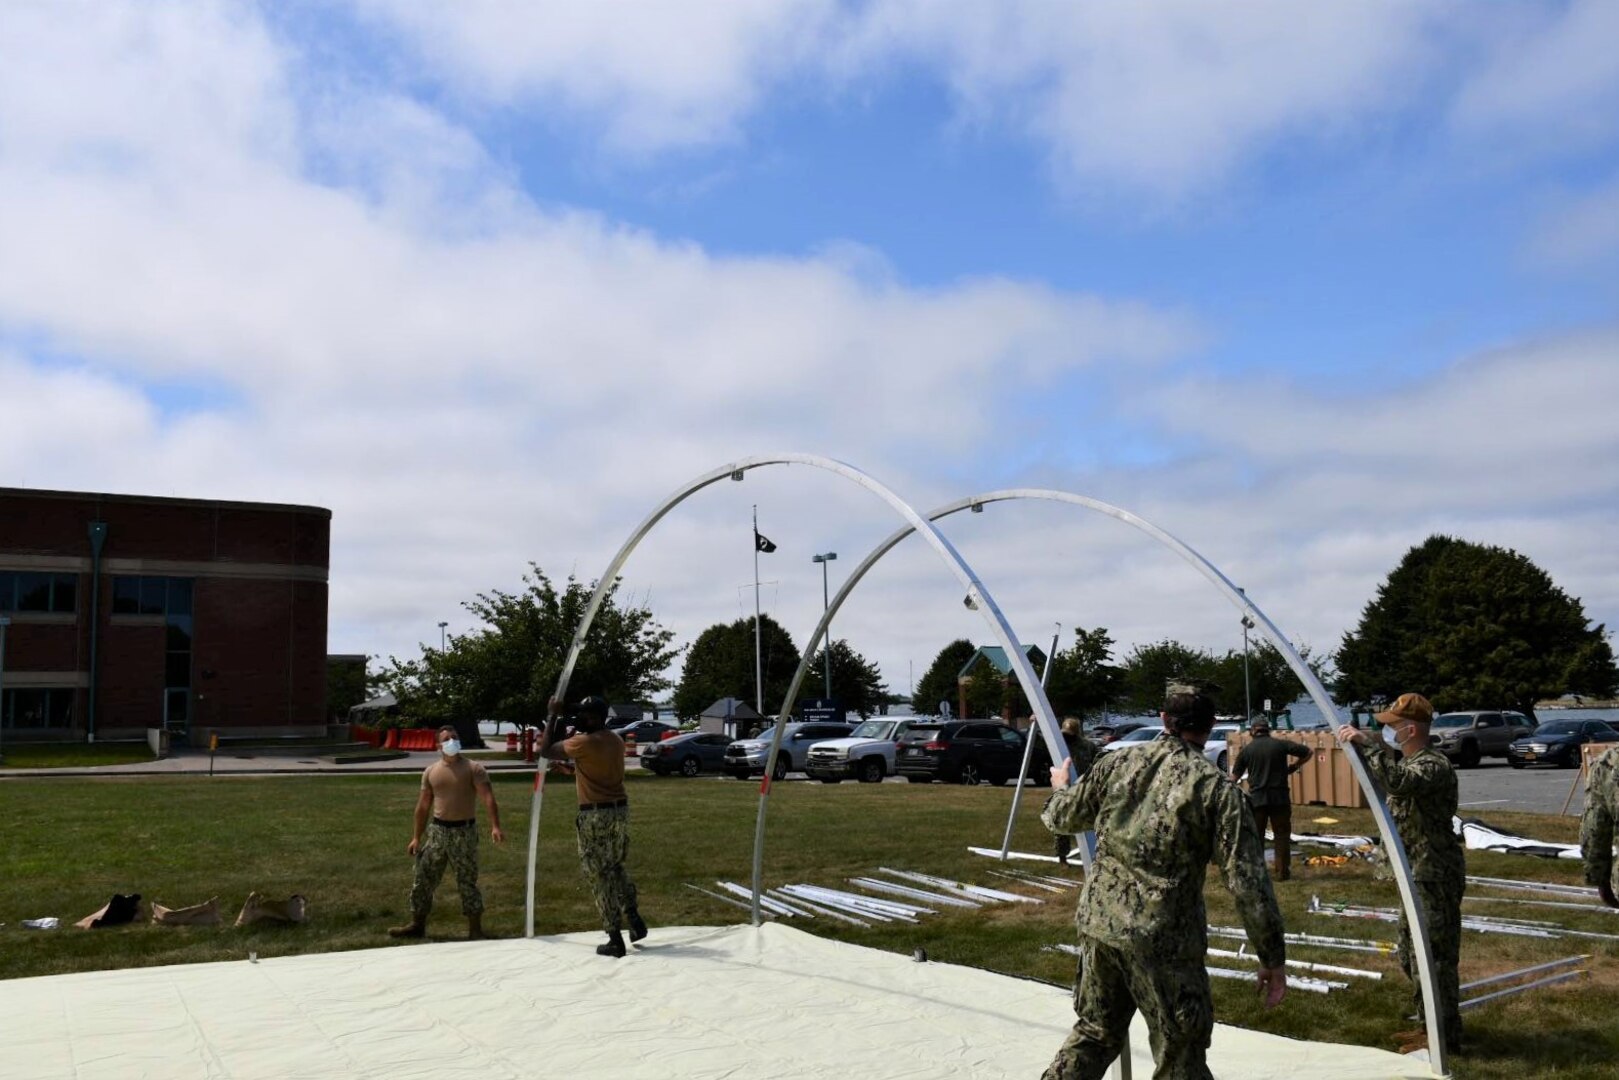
(720, 664)
(857, 685)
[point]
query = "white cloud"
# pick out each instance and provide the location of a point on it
(470, 381)
(1550, 79)
(1579, 230)
(658, 74)
(466, 380)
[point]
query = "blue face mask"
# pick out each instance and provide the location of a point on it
(450, 747)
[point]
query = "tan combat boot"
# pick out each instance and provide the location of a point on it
(417, 927)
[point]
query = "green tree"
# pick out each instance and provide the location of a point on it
(1269, 677)
(856, 683)
(507, 668)
(988, 693)
(1083, 677)
(938, 683)
(720, 664)
(1473, 626)
(1148, 668)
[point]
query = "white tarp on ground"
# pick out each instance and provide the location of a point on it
(728, 1002)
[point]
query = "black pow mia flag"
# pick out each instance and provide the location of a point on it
(762, 542)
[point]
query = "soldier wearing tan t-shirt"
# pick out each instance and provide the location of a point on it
(451, 787)
(603, 821)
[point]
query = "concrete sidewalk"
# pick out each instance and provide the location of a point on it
(229, 763)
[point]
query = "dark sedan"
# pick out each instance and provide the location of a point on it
(689, 754)
(1558, 742)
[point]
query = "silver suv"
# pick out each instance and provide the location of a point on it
(746, 757)
(1468, 737)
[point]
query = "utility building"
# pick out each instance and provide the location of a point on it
(129, 612)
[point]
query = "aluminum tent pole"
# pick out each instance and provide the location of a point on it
(1028, 750)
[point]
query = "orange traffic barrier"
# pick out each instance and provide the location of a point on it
(629, 746)
(511, 742)
(392, 741)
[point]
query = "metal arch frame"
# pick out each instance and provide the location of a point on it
(976, 598)
(1398, 859)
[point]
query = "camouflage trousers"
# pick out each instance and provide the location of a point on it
(1173, 998)
(1442, 909)
(457, 849)
(604, 844)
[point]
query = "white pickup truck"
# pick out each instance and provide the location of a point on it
(866, 755)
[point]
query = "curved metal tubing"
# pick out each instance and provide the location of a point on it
(976, 597)
(1399, 862)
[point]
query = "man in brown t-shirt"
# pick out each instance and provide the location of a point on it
(603, 821)
(450, 787)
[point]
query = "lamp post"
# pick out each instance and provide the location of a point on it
(441, 627)
(4, 622)
(826, 646)
(1247, 695)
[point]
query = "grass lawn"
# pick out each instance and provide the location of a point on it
(340, 841)
(73, 755)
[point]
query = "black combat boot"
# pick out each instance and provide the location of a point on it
(637, 924)
(613, 946)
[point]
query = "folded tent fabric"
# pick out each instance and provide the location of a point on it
(260, 908)
(119, 910)
(204, 914)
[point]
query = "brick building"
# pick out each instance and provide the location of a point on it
(203, 616)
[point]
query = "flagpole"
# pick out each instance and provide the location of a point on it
(758, 653)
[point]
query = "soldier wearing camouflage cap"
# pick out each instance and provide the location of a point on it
(1422, 798)
(1161, 814)
(1596, 828)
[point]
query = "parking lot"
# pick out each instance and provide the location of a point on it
(1492, 785)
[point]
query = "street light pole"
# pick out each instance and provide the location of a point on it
(826, 646)
(4, 622)
(1247, 694)
(441, 627)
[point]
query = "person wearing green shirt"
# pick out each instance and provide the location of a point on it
(1268, 762)
(1421, 787)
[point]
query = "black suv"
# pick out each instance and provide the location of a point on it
(966, 752)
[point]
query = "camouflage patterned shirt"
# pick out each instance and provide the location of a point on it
(1596, 829)
(1161, 814)
(1422, 800)
(1081, 751)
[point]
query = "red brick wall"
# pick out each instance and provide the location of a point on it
(259, 645)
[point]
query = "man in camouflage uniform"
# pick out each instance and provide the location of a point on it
(1596, 829)
(1082, 752)
(603, 821)
(1421, 787)
(449, 789)
(1161, 813)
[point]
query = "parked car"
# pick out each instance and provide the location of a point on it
(646, 731)
(1112, 731)
(964, 752)
(689, 754)
(746, 757)
(1558, 742)
(866, 755)
(1468, 737)
(1140, 736)
(1214, 749)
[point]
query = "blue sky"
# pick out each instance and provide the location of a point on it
(1303, 286)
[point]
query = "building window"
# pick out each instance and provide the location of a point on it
(170, 597)
(25, 590)
(36, 709)
(151, 596)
